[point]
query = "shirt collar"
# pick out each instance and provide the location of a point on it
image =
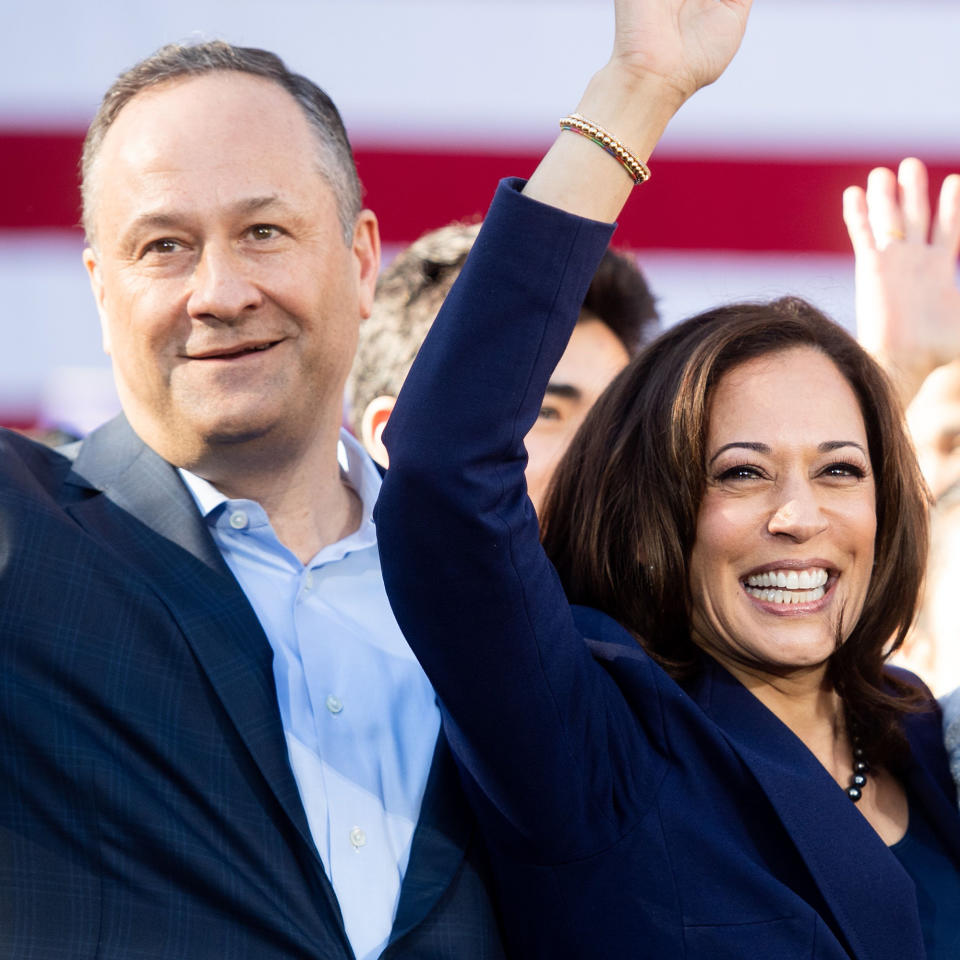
(356, 467)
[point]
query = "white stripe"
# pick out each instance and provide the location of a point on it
(813, 75)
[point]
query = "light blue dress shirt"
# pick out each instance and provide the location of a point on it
(359, 715)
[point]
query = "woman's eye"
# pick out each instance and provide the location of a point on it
(842, 469)
(739, 472)
(549, 413)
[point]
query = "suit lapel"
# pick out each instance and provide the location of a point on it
(148, 518)
(870, 895)
(439, 843)
(115, 461)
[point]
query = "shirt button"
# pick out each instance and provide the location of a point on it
(238, 520)
(308, 579)
(358, 838)
(334, 704)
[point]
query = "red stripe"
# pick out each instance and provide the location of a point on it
(38, 180)
(746, 203)
(18, 419)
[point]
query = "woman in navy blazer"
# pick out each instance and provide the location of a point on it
(695, 759)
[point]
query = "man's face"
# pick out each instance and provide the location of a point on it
(228, 297)
(594, 356)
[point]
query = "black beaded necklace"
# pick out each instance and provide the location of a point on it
(860, 768)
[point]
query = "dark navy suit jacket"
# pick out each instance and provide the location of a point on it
(147, 806)
(628, 816)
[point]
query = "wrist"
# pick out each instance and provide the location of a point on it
(576, 175)
(635, 108)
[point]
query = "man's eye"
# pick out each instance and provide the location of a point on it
(163, 245)
(264, 231)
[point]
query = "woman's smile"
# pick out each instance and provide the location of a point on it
(789, 587)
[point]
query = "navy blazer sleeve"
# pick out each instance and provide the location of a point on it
(474, 593)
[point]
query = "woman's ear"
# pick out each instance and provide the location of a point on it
(374, 419)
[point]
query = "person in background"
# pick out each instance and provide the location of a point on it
(215, 740)
(672, 716)
(908, 316)
(617, 317)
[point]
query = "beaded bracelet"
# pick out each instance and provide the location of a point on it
(638, 170)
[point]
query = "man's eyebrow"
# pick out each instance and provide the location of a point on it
(566, 390)
(171, 219)
(826, 447)
(253, 204)
(153, 220)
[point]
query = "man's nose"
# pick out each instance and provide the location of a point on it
(222, 286)
(797, 513)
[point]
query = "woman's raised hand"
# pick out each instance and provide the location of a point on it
(685, 44)
(663, 52)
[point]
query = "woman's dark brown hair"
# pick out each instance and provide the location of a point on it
(621, 515)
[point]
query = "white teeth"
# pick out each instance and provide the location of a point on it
(786, 596)
(788, 586)
(789, 579)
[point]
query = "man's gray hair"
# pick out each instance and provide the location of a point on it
(176, 61)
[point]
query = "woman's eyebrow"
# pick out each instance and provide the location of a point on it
(744, 444)
(826, 447)
(829, 445)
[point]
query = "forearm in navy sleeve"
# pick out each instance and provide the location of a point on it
(471, 587)
(530, 263)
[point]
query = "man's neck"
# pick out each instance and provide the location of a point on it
(309, 503)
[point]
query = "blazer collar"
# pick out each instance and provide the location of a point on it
(870, 895)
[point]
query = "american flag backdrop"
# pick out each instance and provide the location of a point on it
(442, 97)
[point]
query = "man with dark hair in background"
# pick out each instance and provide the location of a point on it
(215, 740)
(617, 317)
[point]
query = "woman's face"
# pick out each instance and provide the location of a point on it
(785, 531)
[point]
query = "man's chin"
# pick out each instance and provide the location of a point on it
(233, 435)
(193, 442)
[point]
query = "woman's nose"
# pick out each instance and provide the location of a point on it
(798, 516)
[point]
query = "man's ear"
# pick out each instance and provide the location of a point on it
(366, 252)
(374, 419)
(96, 285)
